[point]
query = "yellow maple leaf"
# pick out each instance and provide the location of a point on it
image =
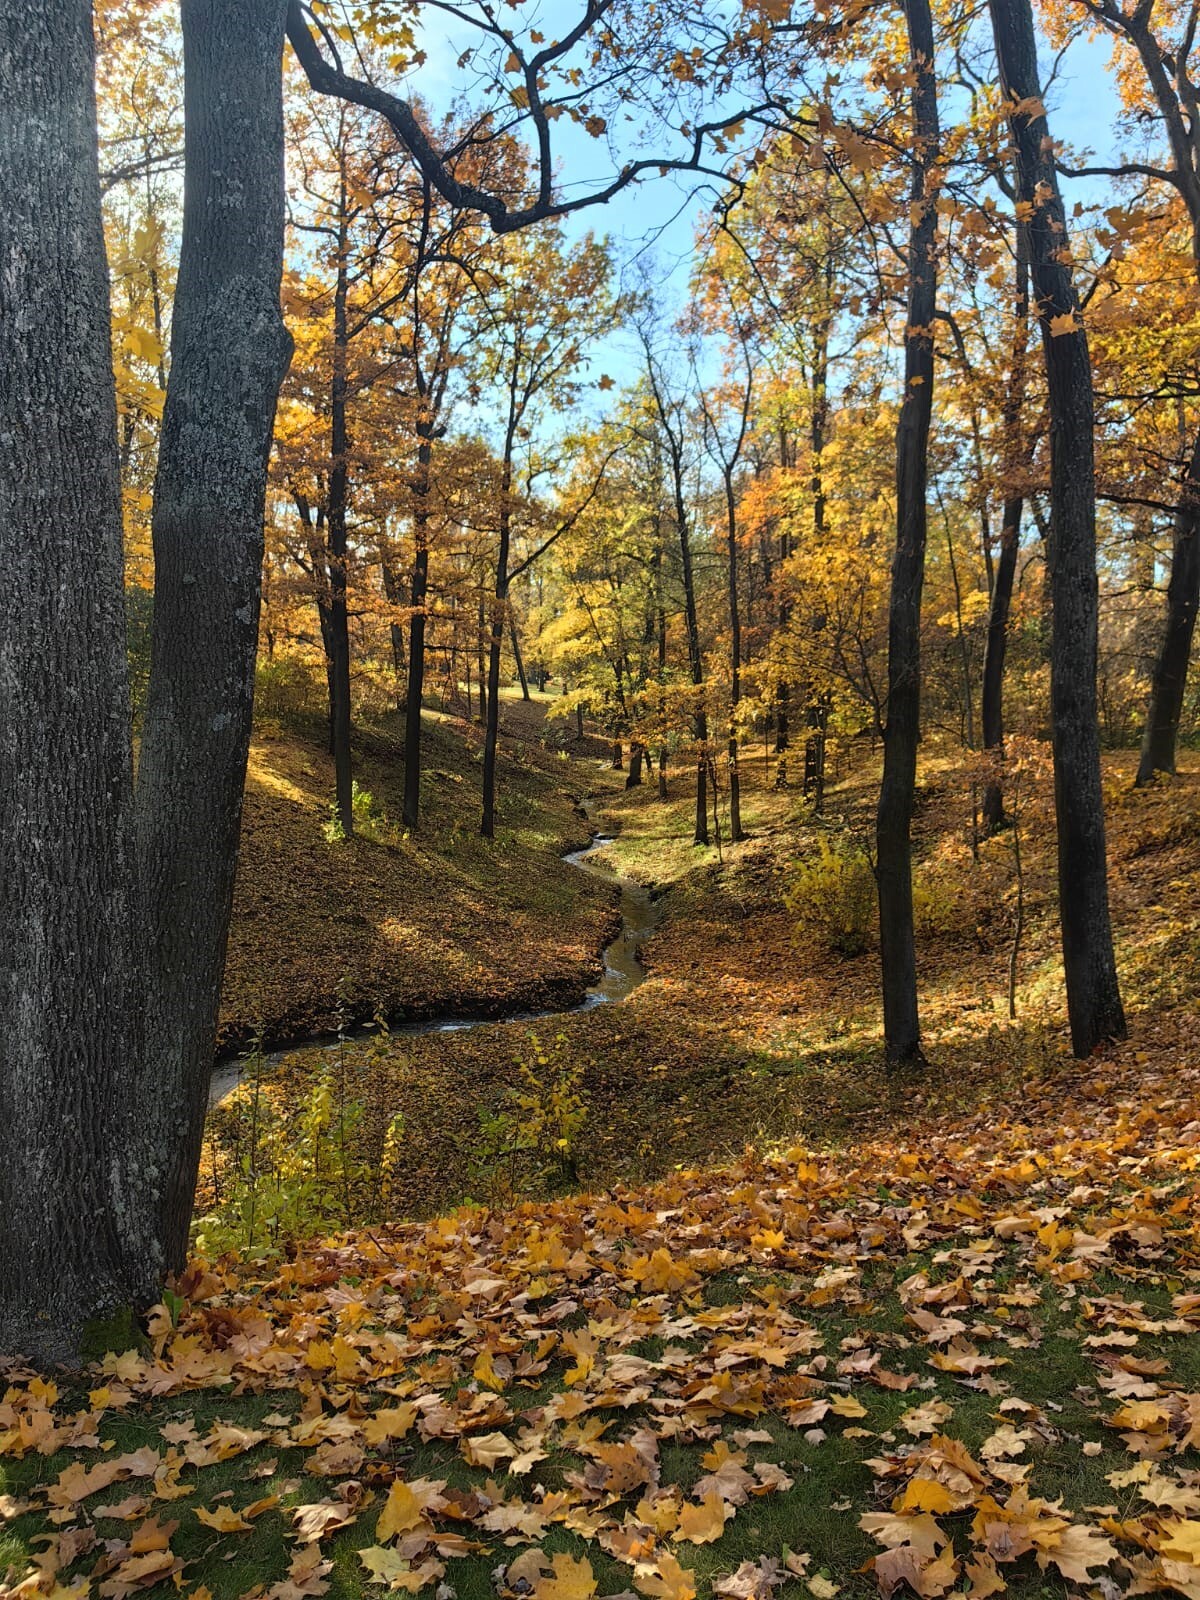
(1182, 1542)
(701, 1524)
(391, 1423)
(665, 1579)
(384, 1565)
(1066, 323)
(486, 1449)
(570, 1580)
(926, 1494)
(845, 1405)
(224, 1519)
(401, 1513)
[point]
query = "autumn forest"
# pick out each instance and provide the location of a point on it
(599, 799)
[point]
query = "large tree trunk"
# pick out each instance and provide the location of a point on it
(1093, 994)
(229, 351)
(70, 1018)
(1175, 650)
(897, 944)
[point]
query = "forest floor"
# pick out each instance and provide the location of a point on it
(406, 924)
(743, 1032)
(932, 1334)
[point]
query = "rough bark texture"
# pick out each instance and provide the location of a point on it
(229, 350)
(69, 1019)
(901, 1025)
(1093, 994)
(1175, 648)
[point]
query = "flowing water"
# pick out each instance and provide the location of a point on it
(623, 971)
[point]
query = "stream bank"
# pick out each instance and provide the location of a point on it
(623, 970)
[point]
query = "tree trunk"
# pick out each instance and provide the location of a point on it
(515, 641)
(480, 660)
(992, 708)
(339, 468)
(313, 518)
(695, 660)
(897, 944)
(229, 351)
(636, 755)
(411, 810)
(70, 1017)
(735, 661)
(1174, 652)
(1002, 578)
(783, 692)
(1093, 993)
(392, 592)
(487, 825)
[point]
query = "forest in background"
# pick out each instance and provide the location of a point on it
(383, 518)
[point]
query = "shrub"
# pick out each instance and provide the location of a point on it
(279, 1169)
(288, 689)
(530, 1145)
(831, 893)
(370, 818)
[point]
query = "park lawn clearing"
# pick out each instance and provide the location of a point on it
(964, 1363)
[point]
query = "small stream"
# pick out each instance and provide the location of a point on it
(623, 972)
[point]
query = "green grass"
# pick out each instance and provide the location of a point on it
(832, 1487)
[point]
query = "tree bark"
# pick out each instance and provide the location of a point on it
(392, 592)
(996, 648)
(735, 660)
(229, 351)
(70, 1021)
(1093, 994)
(339, 480)
(696, 662)
(487, 825)
(992, 708)
(416, 634)
(514, 640)
(897, 943)
(1175, 649)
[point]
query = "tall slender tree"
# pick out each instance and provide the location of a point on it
(893, 829)
(1093, 993)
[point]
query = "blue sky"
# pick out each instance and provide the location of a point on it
(656, 220)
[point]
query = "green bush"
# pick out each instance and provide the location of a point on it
(370, 819)
(529, 1147)
(279, 1169)
(831, 893)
